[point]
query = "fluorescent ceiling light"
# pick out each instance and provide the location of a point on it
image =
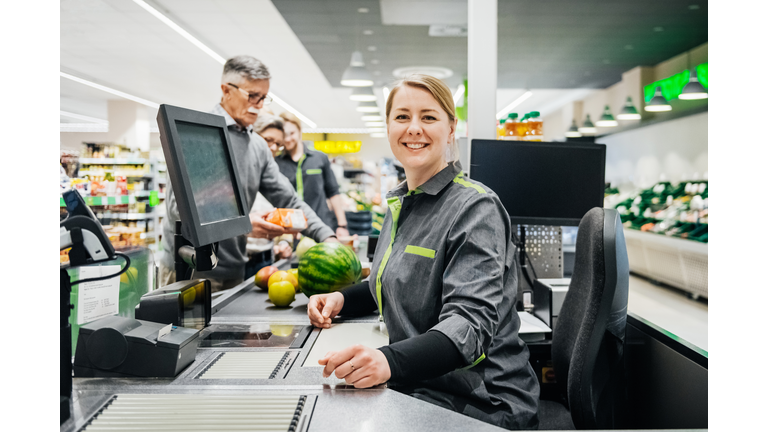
(459, 93)
(514, 104)
(372, 118)
(83, 127)
(356, 75)
(368, 107)
(82, 117)
(375, 124)
(180, 31)
(338, 130)
(167, 21)
(378, 135)
(109, 90)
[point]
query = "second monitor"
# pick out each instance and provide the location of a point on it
(541, 183)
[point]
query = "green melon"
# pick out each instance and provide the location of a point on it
(328, 267)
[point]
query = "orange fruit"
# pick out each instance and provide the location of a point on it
(282, 275)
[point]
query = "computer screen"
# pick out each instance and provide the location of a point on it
(203, 175)
(210, 173)
(541, 183)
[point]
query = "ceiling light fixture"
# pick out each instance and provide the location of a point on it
(180, 30)
(573, 131)
(513, 105)
(110, 90)
(607, 119)
(368, 107)
(363, 10)
(337, 130)
(693, 90)
(435, 71)
(658, 103)
(167, 21)
(367, 32)
(459, 93)
(375, 124)
(629, 112)
(588, 127)
(372, 118)
(371, 48)
(83, 117)
(378, 135)
(362, 94)
(356, 75)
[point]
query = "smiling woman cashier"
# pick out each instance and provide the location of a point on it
(443, 279)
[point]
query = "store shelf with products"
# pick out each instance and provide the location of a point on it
(667, 233)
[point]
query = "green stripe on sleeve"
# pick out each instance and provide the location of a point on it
(460, 180)
(417, 250)
(299, 180)
(314, 171)
(482, 357)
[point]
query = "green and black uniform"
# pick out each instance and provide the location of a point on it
(313, 179)
(444, 281)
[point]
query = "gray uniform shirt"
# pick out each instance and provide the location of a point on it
(258, 173)
(450, 268)
(318, 181)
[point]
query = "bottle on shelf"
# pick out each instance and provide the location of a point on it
(511, 127)
(522, 129)
(535, 127)
(500, 129)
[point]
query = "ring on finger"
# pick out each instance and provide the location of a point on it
(353, 366)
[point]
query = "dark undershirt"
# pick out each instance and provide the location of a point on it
(422, 357)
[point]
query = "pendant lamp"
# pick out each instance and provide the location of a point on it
(573, 131)
(588, 127)
(367, 107)
(693, 90)
(629, 112)
(362, 94)
(607, 119)
(356, 75)
(658, 103)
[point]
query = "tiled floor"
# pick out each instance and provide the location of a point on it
(670, 310)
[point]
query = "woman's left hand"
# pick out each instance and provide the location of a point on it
(358, 365)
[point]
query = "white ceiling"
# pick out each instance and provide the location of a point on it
(118, 44)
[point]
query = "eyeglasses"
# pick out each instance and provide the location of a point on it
(254, 98)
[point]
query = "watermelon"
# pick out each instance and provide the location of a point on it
(328, 267)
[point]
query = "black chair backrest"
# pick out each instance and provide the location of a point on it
(588, 340)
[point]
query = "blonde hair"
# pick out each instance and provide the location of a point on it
(442, 95)
(291, 117)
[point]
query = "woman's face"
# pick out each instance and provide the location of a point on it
(419, 130)
(292, 136)
(274, 138)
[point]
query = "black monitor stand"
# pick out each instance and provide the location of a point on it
(187, 257)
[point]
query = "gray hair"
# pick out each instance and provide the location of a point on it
(265, 121)
(244, 67)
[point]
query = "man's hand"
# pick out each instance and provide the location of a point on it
(263, 229)
(342, 232)
(323, 307)
(358, 365)
(282, 250)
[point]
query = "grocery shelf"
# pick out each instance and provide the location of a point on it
(113, 200)
(112, 161)
(116, 173)
(125, 216)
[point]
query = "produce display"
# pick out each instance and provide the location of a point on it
(328, 267)
(680, 210)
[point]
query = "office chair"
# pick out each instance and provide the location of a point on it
(588, 340)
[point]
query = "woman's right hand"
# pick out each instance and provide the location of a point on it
(323, 307)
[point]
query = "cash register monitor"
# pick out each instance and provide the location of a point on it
(541, 183)
(203, 174)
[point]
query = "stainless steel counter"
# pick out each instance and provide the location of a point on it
(337, 407)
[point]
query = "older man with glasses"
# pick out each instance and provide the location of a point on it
(245, 90)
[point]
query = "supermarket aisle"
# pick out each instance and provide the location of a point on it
(670, 310)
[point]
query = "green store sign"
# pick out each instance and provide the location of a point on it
(672, 87)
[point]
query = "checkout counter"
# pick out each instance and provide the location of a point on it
(258, 359)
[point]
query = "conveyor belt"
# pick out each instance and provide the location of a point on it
(190, 412)
(246, 365)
